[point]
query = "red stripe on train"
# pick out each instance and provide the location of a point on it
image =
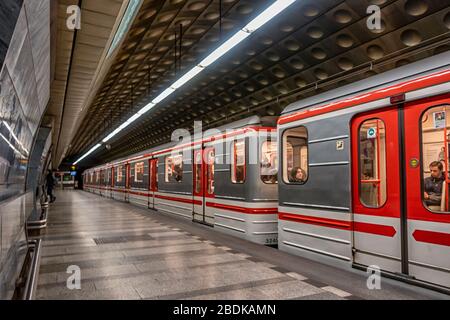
(415, 84)
(140, 193)
(382, 230)
(434, 237)
(242, 209)
(387, 231)
(197, 202)
(324, 222)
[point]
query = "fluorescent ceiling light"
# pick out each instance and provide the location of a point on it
(146, 108)
(224, 48)
(163, 95)
(187, 76)
(133, 118)
(88, 153)
(112, 134)
(109, 136)
(267, 15)
(264, 17)
(132, 7)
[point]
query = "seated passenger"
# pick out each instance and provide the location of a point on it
(433, 184)
(297, 175)
(178, 173)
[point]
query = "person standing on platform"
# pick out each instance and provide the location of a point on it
(50, 186)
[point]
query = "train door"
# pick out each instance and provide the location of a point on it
(376, 190)
(153, 174)
(203, 184)
(427, 152)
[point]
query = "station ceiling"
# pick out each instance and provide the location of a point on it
(316, 45)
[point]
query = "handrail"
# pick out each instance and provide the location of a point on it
(38, 224)
(31, 283)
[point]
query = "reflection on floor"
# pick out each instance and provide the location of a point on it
(125, 252)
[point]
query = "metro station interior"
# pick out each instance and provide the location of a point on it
(224, 150)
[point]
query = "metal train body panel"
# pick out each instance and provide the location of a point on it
(350, 177)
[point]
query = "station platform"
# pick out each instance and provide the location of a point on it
(127, 252)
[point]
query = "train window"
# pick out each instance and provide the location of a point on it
(119, 174)
(372, 163)
(156, 173)
(210, 171)
(139, 172)
(295, 155)
(238, 161)
(174, 168)
(198, 172)
(269, 162)
(435, 158)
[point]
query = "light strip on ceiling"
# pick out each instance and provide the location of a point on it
(88, 153)
(264, 17)
(127, 18)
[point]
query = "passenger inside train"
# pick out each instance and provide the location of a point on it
(435, 148)
(269, 162)
(433, 184)
(295, 155)
(297, 175)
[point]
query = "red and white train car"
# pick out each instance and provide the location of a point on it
(226, 179)
(364, 174)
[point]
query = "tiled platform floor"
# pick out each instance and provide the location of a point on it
(125, 252)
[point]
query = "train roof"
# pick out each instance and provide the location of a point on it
(401, 74)
(243, 123)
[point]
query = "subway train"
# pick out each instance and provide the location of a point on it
(356, 176)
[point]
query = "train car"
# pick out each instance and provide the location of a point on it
(364, 174)
(226, 179)
(239, 189)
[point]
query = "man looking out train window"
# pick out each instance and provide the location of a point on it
(433, 184)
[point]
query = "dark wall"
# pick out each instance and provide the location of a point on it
(9, 12)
